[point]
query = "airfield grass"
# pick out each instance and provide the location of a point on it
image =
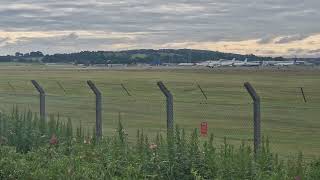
(291, 124)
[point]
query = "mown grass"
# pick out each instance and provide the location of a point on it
(290, 123)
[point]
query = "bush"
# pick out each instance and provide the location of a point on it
(28, 154)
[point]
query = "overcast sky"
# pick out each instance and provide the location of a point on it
(262, 27)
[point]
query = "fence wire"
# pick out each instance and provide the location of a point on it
(290, 122)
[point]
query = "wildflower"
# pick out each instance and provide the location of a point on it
(153, 146)
(297, 178)
(70, 170)
(87, 140)
(53, 140)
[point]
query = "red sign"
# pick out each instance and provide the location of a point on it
(204, 129)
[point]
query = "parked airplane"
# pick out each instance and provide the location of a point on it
(240, 63)
(253, 63)
(227, 62)
(286, 63)
(233, 62)
(246, 63)
(269, 63)
(205, 63)
(213, 64)
(186, 64)
(283, 63)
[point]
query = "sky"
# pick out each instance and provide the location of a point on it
(262, 27)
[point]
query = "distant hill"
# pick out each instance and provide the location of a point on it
(132, 57)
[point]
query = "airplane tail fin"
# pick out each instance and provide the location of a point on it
(234, 59)
(246, 60)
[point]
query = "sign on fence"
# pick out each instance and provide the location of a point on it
(204, 129)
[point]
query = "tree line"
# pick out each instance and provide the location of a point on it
(131, 57)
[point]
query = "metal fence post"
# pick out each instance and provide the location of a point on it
(98, 108)
(203, 93)
(256, 116)
(42, 99)
(304, 97)
(12, 87)
(125, 89)
(169, 99)
(61, 87)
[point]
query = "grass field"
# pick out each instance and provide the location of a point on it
(291, 124)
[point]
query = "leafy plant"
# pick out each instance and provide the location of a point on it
(28, 154)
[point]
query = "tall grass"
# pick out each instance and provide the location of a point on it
(28, 152)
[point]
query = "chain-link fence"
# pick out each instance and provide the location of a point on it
(289, 115)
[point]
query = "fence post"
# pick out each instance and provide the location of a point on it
(98, 108)
(203, 93)
(12, 88)
(61, 87)
(169, 100)
(256, 116)
(304, 97)
(125, 89)
(42, 99)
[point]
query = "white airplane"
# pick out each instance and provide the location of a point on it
(221, 62)
(227, 62)
(213, 64)
(246, 63)
(253, 63)
(186, 64)
(269, 63)
(286, 63)
(240, 63)
(205, 63)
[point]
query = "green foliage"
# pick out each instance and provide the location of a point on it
(144, 56)
(29, 155)
(69, 132)
(25, 131)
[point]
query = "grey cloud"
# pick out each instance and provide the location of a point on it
(288, 39)
(2, 40)
(265, 51)
(296, 50)
(61, 44)
(168, 21)
(71, 36)
(314, 51)
(265, 40)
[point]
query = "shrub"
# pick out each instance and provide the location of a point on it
(29, 155)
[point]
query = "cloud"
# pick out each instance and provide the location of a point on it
(171, 8)
(4, 39)
(61, 42)
(71, 36)
(296, 50)
(266, 52)
(314, 51)
(292, 38)
(155, 23)
(265, 40)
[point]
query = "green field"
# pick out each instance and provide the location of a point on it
(291, 124)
